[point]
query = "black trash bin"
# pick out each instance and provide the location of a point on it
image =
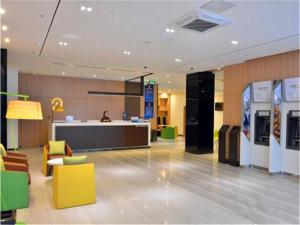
(234, 146)
(224, 144)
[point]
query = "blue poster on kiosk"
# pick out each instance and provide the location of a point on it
(149, 97)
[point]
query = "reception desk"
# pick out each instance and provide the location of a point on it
(95, 136)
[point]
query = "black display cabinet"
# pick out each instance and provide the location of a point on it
(224, 144)
(292, 128)
(262, 127)
(234, 146)
(200, 89)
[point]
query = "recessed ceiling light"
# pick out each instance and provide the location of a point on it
(123, 78)
(219, 68)
(63, 73)
(167, 75)
(94, 75)
(4, 27)
(82, 8)
(108, 68)
(2, 11)
(234, 42)
(7, 40)
(126, 52)
(169, 30)
(63, 43)
(169, 82)
(169, 90)
(89, 9)
(177, 60)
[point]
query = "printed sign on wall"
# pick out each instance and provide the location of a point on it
(262, 91)
(292, 88)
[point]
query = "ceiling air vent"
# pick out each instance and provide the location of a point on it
(201, 21)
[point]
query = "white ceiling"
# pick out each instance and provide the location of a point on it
(98, 39)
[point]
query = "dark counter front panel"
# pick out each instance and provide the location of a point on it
(103, 137)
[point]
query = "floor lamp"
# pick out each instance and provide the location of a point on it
(23, 109)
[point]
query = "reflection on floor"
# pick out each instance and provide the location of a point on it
(166, 185)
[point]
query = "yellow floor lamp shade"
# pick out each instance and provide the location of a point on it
(27, 110)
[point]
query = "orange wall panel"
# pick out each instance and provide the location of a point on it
(236, 77)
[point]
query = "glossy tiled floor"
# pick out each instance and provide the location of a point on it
(166, 185)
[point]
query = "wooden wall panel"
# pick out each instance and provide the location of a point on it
(77, 102)
(236, 77)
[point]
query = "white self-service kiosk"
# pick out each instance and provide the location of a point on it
(290, 126)
(256, 117)
(271, 126)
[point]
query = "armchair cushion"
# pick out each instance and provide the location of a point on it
(15, 159)
(18, 167)
(2, 150)
(57, 147)
(2, 167)
(17, 154)
(74, 160)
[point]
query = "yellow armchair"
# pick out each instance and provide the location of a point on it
(74, 185)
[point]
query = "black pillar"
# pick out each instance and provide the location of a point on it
(200, 91)
(3, 97)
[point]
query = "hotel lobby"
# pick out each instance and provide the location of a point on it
(150, 112)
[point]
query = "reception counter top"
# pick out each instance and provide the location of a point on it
(95, 135)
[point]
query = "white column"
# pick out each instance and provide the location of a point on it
(12, 125)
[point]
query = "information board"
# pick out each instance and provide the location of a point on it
(262, 91)
(149, 98)
(291, 89)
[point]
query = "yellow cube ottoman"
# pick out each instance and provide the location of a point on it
(74, 185)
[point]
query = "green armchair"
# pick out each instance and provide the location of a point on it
(168, 133)
(14, 194)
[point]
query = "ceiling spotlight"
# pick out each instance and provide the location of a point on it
(177, 60)
(169, 30)
(167, 75)
(122, 78)
(234, 42)
(7, 40)
(169, 82)
(63, 73)
(82, 8)
(63, 43)
(89, 9)
(126, 53)
(219, 68)
(4, 27)
(2, 11)
(94, 75)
